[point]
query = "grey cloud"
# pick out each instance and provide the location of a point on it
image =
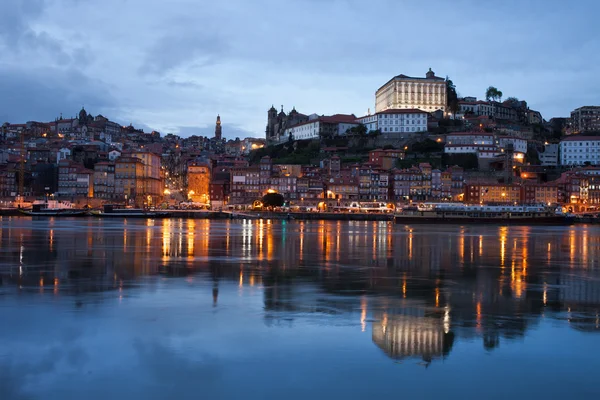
(42, 94)
(16, 15)
(184, 46)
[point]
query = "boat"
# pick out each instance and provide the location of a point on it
(458, 213)
(52, 208)
(110, 211)
(9, 211)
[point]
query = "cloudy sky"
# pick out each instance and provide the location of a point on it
(174, 65)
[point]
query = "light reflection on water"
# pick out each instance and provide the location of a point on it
(142, 309)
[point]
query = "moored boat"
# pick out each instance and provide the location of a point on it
(432, 213)
(53, 208)
(110, 211)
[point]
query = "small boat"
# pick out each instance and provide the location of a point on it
(110, 211)
(52, 208)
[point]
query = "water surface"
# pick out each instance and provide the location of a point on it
(194, 309)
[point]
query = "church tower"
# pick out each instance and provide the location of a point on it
(218, 128)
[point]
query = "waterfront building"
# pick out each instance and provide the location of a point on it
(580, 150)
(245, 185)
(402, 91)
(74, 181)
(129, 180)
(152, 180)
(104, 181)
(199, 178)
(539, 193)
(483, 193)
(585, 119)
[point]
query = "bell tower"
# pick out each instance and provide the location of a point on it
(218, 131)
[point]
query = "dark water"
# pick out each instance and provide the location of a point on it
(184, 309)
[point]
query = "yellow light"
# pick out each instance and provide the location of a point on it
(503, 194)
(167, 191)
(271, 191)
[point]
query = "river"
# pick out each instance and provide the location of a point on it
(198, 309)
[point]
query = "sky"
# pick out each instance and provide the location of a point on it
(172, 66)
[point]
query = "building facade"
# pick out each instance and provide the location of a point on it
(199, 177)
(426, 94)
(152, 180)
(585, 119)
(129, 180)
(579, 150)
(393, 122)
(104, 181)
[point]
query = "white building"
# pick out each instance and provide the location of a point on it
(427, 94)
(396, 121)
(63, 154)
(369, 121)
(550, 155)
(470, 148)
(519, 145)
(577, 150)
(324, 126)
(470, 138)
(113, 155)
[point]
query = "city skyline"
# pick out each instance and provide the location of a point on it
(188, 61)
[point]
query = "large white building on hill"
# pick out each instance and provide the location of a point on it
(427, 94)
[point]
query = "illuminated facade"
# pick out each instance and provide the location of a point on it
(411, 336)
(492, 193)
(426, 94)
(104, 180)
(129, 180)
(152, 180)
(199, 183)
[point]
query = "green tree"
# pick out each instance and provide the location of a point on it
(493, 94)
(272, 200)
(451, 97)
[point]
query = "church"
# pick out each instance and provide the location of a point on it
(278, 122)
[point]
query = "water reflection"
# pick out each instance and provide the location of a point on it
(417, 289)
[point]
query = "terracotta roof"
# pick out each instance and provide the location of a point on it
(470, 134)
(579, 138)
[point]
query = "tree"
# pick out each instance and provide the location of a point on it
(493, 94)
(272, 200)
(451, 97)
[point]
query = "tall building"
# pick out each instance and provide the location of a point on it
(129, 180)
(218, 129)
(585, 119)
(426, 94)
(198, 175)
(152, 180)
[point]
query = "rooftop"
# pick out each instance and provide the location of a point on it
(580, 138)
